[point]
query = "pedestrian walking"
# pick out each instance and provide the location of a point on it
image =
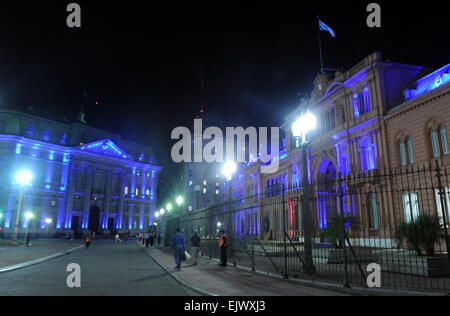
(147, 240)
(143, 238)
(223, 245)
(27, 240)
(117, 238)
(159, 239)
(152, 239)
(88, 241)
(195, 247)
(179, 247)
(125, 238)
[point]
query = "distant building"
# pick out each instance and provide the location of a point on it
(84, 179)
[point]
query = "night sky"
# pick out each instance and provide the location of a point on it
(142, 60)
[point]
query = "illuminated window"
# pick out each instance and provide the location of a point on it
(374, 216)
(47, 136)
(147, 192)
(444, 142)
(190, 183)
(30, 132)
(434, 143)
(217, 184)
(141, 157)
(137, 191)
(204, 190)
(126, 190)
(366, 154)
(410, 206)
(402, 149)
(410, 150)
(355, 105)
(148, 174)
(138, 173)
(217, 191)
(205, 182)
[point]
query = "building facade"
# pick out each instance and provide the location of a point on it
(83, 179)
(377, 116)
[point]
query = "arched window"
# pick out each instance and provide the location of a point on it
(374, 215)
(402, 150)
(47, 136)
(333, 118)
(444, 142)
(355, 106)
(434, 143)
(366, 154)
(410, 149)
(366, 97)
(30, 132)
(362, 107)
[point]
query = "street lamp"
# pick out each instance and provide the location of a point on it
(228, 171)
(179, 200)
(157, 214)
(48, 221)
(162, 211)
(300, 128)
(169, 207)
(23, 178)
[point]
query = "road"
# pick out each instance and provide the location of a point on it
(106, 269)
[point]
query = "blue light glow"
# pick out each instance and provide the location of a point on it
(51, 155)
(428, 83)
(18, 148)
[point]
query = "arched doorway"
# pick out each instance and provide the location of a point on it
(326, 193)
(94, 219)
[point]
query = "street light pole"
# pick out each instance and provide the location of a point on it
(16, 227)
(309, 265)
(300, 128)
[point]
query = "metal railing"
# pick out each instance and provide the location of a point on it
(395, 219)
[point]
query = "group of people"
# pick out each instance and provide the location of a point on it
(179, 247)
(149, 239)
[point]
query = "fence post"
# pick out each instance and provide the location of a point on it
(443, 207)
(284, 236)
(341, 206)
(253, 252)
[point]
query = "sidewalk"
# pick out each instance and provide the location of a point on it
(228, 281)
(10, 255)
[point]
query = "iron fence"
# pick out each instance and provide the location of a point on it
(395, 219)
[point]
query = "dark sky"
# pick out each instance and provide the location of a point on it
(142, 60)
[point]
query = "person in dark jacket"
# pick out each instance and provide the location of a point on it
(195, 247)
(159, 239)
(179, 247)
(223, 245)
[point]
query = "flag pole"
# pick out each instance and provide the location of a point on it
(320, 47)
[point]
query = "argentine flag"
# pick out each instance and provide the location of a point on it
(324, 27)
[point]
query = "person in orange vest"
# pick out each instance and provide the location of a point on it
(223, 245)
(88, 241)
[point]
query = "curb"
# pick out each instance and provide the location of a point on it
(176, 278)
(338, 288)
(38, 261)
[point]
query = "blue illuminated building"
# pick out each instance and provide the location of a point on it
(84, 179)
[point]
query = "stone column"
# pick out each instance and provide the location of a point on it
(122, 184)
(90, 171)
(107, 198)
(70, 188)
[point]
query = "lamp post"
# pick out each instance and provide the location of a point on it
(28, 216)
(23, 178)
(48, 221)
(307, 122)
(228, 171)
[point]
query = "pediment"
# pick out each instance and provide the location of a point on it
(105, 147)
